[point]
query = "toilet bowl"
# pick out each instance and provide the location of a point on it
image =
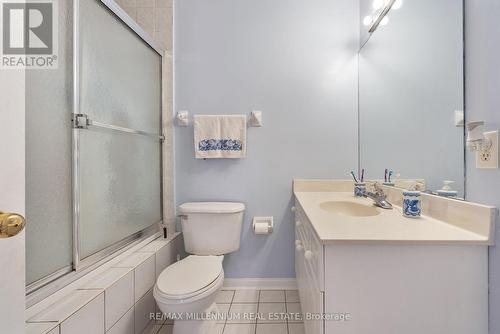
(186, 290)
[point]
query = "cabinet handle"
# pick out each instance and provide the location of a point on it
(298, 223)
(292, 209)
(299, 247)
(308, 255)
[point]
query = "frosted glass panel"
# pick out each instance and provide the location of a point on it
(120, 74)
(120, 187)
(120, 85)
(48, 160)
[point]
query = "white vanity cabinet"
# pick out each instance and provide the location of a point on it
(309, 271)
(390, 288)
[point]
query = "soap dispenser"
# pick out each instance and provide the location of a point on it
(447, 191)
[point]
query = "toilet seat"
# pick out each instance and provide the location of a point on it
(189, 278)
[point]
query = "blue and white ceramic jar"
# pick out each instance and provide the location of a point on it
(412, 205)
(359, 189)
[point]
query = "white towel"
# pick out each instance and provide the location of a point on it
(220, 136)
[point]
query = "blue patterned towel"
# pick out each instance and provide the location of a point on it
(220, 136)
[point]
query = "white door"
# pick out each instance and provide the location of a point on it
(12, 200)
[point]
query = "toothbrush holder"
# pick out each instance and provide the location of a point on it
(359, 189)
(412, 204)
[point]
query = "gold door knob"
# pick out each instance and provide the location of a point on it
(11, 224)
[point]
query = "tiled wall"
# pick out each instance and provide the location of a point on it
(118, 300)
(156, 18)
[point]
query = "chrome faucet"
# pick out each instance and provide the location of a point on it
(379, 197)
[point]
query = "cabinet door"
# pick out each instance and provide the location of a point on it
(312, 305)
(311, 298)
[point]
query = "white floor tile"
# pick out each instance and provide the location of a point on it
(219, 328)
(223, 310)
(272, 296)
(294, 312)
(297, 328)
(272, 313)
(246, 296)
(271, 329)
(292, 296)
(224, 297)
(242, 313)
(239, 329)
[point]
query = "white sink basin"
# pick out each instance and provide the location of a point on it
(350, 208)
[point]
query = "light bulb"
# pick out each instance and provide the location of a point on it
(377, 4)
(397, 4)
(384, 21)
(367, 20)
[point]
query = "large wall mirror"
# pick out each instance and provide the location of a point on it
(411, 91)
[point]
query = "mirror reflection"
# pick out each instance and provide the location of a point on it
(411, 93)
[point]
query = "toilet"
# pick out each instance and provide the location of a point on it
(186, 290)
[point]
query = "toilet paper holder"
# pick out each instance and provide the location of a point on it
(263, 225)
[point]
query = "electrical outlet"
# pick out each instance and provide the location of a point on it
(488, 159)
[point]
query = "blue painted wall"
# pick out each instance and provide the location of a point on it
(296, 61)
(482, 34)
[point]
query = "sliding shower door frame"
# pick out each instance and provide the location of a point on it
(45, 286)
(78, 262)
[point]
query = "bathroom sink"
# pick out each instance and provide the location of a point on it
(350, 208)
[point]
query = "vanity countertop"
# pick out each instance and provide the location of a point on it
(446, 221)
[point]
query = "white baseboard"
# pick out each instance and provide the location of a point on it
(260, 283)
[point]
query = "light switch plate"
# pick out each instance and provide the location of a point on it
(488, 159)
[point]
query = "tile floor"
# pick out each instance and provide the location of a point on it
(252, 312)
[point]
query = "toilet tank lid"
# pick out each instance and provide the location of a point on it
(212, 207)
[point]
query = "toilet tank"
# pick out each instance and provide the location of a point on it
(211, 228)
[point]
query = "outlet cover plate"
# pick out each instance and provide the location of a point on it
(491, 161)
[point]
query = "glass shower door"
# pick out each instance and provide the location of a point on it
(118, 147)
(48, 161)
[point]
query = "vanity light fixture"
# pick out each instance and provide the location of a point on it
(397, 4)
(367, 20)
(377, 4)
(381, 13)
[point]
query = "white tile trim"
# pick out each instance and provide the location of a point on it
(67, 290)
(260, 283)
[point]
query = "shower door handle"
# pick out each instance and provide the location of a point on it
(11, 224)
